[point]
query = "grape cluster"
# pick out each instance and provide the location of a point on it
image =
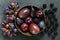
(9, 28)
(51, 21)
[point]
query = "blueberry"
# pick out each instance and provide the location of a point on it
(15, 30)
(41, 24)
(12, 25)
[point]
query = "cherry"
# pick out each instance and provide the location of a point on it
(28, 20)
(24, 27)
(39, 13)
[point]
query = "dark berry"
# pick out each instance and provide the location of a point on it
(39, 13)
(54, 9)
(32, 12)
(46, 12)
(28, 20)
(19, 21)
(51, 5)
(12, 25)
(36, 20)
(44, 6)
(15, 30)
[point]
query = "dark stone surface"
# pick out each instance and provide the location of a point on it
(4, 4)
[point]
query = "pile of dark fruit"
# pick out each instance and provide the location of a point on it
(29, 20)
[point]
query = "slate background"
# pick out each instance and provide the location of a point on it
(4, 4)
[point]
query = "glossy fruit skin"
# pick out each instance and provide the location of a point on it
(19, 21)
(15, 30)
(28, 20)
(24, 13)
(24, 27)
(32, 13)
(41, 24)
(39, 13)
(12, 25)
(34, 29)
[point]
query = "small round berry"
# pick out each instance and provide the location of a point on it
(19, 21)
(42, 24)
(28, 20)
(24, 27)
(39, 13)
(12, 25)
(15, 30)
